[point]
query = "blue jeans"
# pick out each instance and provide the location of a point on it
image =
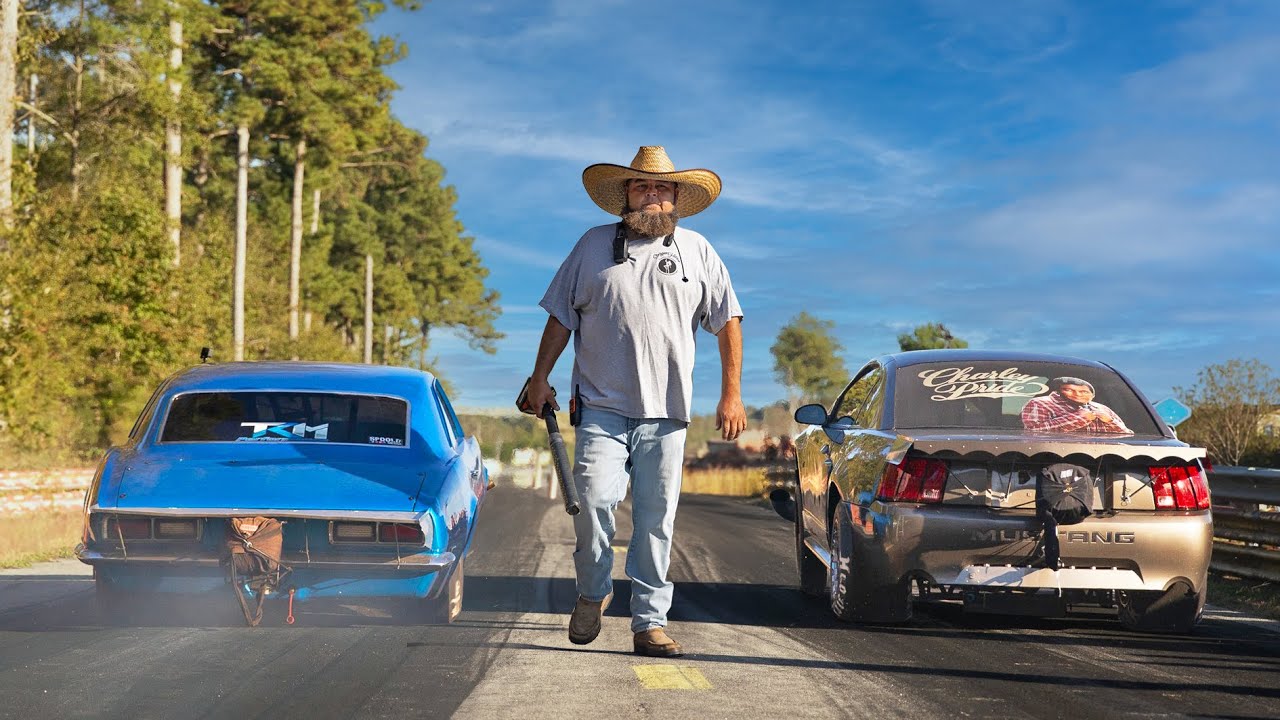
(609, 450)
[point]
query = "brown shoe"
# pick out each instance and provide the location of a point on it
(584, 623)
(655, 643)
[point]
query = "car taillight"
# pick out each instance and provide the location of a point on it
(1179, 487)
(175, 529)
(914, 480)
(402, 533)
(128, 528)
(354, 532)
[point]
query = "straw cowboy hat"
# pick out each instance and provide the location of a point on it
(606, 183)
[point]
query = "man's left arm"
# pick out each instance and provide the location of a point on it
(731, 417)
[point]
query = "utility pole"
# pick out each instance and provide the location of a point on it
(31, 120)
(315, 228)
(8, 89)
(315, 212)
(368, 309)
(242, 220)
(173, 139)
(295, 230)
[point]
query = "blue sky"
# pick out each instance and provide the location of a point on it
(1099, 179)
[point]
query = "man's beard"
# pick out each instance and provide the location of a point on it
(651, 224)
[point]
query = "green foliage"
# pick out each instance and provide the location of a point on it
(1228, 402)
(807, 358)
(1264, 452)
(930, 336)
(93, 310)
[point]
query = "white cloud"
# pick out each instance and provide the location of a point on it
(523, 254)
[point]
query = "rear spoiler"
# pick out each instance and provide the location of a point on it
(989, 448)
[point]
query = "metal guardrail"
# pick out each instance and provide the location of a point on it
(1246, 522)
(24, 493)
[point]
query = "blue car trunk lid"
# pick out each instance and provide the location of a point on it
(293, 483)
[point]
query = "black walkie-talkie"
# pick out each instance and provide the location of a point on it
(620, 254)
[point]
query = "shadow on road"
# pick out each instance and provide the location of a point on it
(985, 676)
(726, 603)
(41, 603)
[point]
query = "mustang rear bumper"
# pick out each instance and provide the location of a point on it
(981, 549)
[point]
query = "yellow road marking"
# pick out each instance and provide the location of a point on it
(671, 677)
(620, 548)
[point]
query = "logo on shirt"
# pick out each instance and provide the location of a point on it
(667, 263)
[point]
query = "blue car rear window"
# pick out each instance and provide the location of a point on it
(287, 417)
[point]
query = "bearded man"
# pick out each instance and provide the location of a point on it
(633, 294)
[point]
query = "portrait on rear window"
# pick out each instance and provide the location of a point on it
(1070, 407)
(1029, 396)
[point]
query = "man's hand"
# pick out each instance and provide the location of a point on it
(541, 393)
(731, 418)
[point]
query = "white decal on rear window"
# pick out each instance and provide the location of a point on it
(286, 431)
(960, 383)
(376, 440)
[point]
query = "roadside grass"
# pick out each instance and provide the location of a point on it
(1246, 595)
(36, 460)
(737, 482)
(37, 537)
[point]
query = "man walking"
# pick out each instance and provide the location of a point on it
(633, 295)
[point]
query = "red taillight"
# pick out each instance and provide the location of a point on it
(1179, 487)
(914, 480)
(128, 528)
(1200, 484)
(402, 533)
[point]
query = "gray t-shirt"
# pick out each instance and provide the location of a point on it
(634, 322)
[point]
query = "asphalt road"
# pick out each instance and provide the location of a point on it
(757, 648)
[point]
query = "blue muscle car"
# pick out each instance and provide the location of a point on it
(359, 480)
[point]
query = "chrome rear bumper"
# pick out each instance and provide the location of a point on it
(420, 562)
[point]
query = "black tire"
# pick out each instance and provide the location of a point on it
(443, 609)
(852, 598)
(841, 585)
(813, 574)
(1176, 610)
(111, 599)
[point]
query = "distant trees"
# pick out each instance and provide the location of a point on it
(1227, 403)
(930, 336)
(124, 202)
(807, 359)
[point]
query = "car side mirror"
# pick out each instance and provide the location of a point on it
(813, 414)
(839, 429)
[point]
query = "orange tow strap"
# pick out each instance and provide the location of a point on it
(289, 619)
